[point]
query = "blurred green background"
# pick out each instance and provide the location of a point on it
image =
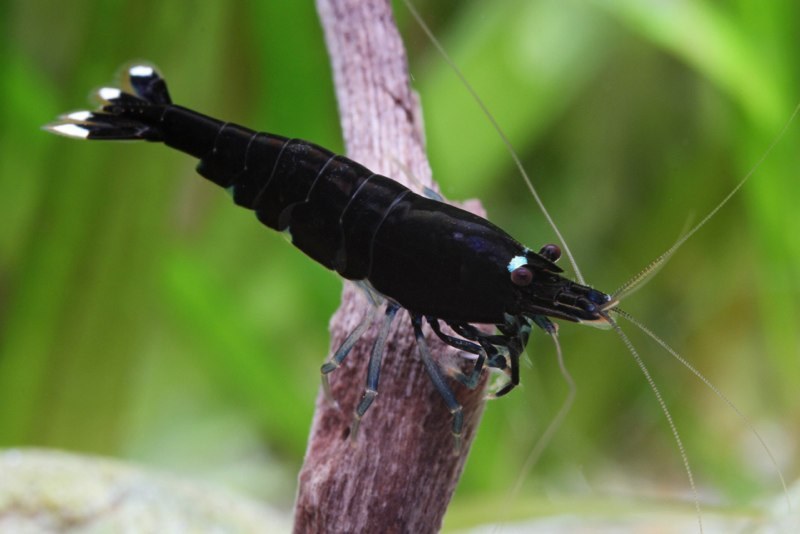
(143, 317)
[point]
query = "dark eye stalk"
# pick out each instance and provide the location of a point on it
(552, 252)
(522, 276)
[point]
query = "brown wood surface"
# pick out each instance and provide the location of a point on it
(401, 471)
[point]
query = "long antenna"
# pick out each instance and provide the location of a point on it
(547, 436)
(501, 133)
(713, 388)
(645, 274)
(665, 410)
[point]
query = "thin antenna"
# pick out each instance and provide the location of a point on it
(713, 388)
(641, 279)
(501, 133)
(555, 424)
(547, 436)
(630, 285)
(665, 411)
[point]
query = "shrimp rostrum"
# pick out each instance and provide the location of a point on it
(442, 264)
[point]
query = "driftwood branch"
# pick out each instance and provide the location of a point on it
(401, 471)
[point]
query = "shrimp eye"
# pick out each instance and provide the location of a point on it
(552, 252)
(522, 276)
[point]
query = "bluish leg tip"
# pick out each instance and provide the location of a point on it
(354, 429)
(457, 444)
(326, 390)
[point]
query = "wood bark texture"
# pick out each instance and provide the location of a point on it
(400, 472)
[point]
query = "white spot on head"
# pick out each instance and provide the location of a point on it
(108, 93)
(78, 116)
(141, 71)
(516, 262)
(69, 130)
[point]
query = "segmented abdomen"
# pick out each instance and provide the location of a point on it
(330, 205)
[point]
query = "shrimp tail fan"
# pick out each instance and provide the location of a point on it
(131, 114)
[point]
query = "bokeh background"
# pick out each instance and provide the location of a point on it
(143, 317)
